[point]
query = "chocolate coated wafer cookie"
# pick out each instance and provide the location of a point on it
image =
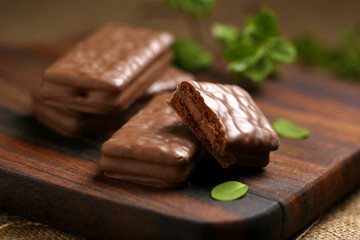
(227, 121)
(153, 148)
(107, 71)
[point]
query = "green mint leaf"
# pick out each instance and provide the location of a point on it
(312, 51)
(348, 65)
(267, 23)
(281, 50)
(262, 26)
(263, 68)
(224, 33)
(349, 38)
(244, 56)
(287, 129)
(229, 191)
(191, 56)
(193, 8)
(242, 51)
(241, 65)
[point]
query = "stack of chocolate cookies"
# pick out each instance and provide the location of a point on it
(120, 77)
(97, 85)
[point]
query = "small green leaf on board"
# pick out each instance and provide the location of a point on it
(228, 191)
(285, 128)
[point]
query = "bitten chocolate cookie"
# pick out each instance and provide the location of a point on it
(227, 121)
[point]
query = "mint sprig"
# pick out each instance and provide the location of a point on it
(192, 8)
(342, 60)
(313, 52)
(191, 56)
(254, 51)
(347, 65)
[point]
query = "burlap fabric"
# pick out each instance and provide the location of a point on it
(14, 228)
(342, 221)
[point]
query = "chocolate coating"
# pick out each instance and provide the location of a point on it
(153, 148)
(227, 121)
(108, 70)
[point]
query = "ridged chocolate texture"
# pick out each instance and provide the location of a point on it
(73, 123)
(227, 121)
(108, 70)
(153, 148)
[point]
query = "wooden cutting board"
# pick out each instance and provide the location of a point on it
(53, 179)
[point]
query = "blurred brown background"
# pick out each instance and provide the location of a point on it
(34, 21)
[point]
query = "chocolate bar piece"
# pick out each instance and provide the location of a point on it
(108, 70)
(73, 123)
(153, 148)
(227, 121)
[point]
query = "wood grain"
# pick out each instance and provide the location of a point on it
(53, 179)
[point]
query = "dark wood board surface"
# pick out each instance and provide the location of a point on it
(53, 179)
